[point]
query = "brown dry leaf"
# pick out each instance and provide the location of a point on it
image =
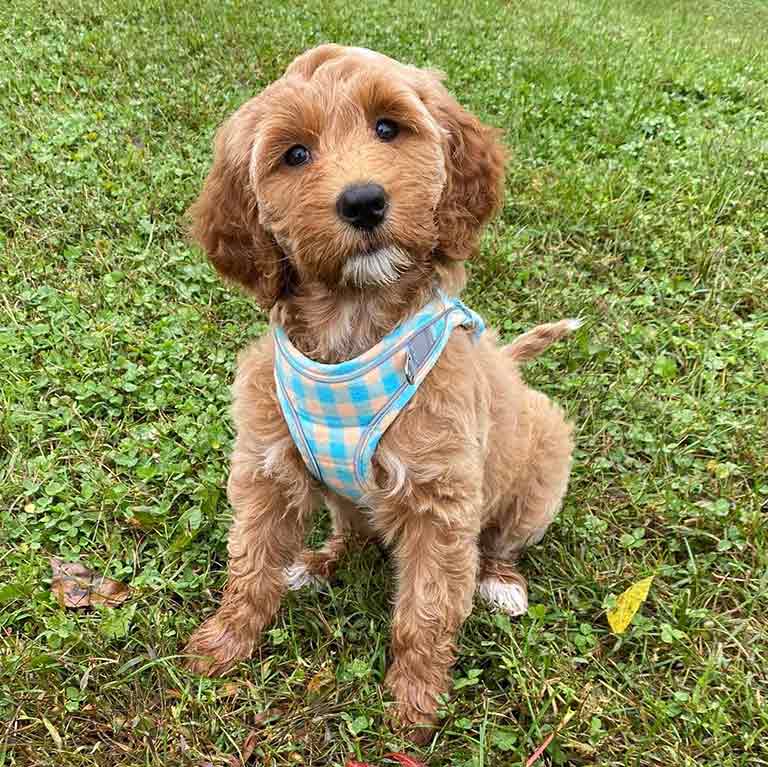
(321, 679)
(246, 750)
(582, 748)
(249, 745)
(229, 689)
(74, 585)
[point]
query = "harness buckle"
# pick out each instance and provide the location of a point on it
(410, 367)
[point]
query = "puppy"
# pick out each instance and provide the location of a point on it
(345, 198)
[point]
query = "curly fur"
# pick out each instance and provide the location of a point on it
(475, 468)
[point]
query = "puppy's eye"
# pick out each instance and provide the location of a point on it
(386, 130)
(297, 155)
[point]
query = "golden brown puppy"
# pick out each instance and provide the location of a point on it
(476, 466)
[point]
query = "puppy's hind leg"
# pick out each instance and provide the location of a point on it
(502, 585)
(350, 528)
(529, 513)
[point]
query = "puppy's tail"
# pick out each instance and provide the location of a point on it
(530, 345)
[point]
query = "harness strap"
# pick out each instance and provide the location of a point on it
(337, 414)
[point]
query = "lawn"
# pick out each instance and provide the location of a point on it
(637, 198)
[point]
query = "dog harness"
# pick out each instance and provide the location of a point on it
(338, 413)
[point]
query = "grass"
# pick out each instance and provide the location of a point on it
(637, 198)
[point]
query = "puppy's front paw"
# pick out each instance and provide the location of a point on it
(216, 647)
(413, 724)
(414, 714)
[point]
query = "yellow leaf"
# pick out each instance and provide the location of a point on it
(628, 604)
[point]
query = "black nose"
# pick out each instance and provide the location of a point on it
(362, 205)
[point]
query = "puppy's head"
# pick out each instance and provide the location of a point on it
(351, 170)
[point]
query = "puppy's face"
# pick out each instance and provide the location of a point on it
(350, 170)
(347, 168)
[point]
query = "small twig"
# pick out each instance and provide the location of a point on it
(536, 755)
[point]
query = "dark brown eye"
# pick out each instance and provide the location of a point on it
(386, 130)
(297, 155)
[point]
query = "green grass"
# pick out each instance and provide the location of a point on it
(637, 198)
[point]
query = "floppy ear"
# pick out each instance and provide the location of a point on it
(225, 219)
(474, 159)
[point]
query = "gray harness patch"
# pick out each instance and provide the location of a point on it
(419, 349)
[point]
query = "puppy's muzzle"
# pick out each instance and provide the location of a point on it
(363, 206)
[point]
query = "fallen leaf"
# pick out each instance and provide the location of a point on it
(246, 750)
(249, 745)
(628, 604)
(321, 679)
(74, 585)
(229, 689)
(582, 748)
(353, 763)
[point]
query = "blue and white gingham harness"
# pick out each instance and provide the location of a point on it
(338, 413)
